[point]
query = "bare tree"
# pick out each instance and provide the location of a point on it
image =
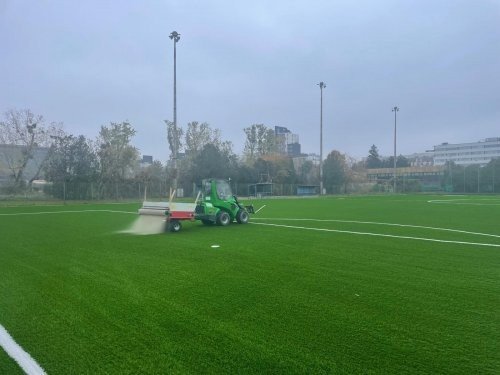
(174, 138)
(260, 141)
(23, 135)
(198, 135)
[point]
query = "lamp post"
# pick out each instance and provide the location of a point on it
(321, 87)
(175, 36)
(395, 110)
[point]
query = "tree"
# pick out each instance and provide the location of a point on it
(492, 171)
(373, 159)
(211, 162)
(174, 138)
(117, 157)
(198, 135)
(26, 134)
(308, 173)
(260, 141)
(72, 161)
(334, 172)
(152, 177)
(281, 168)
(402, 162)
(245, 173)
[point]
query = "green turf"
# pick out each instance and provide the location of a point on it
(8, 366)
(82, 298)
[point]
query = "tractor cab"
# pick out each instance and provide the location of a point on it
(214, 190)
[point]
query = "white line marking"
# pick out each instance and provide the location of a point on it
(18, 354)
(379, 235)
(377, 223)
(464, 202)
(64, 212)
(260, 208)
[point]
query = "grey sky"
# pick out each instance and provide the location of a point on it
(87, 63)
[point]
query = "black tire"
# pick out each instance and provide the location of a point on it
(174, 226)
(242, 216)
(223, 218)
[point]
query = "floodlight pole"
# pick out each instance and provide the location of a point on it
(321, 87)
(395, 110)
(175, 36)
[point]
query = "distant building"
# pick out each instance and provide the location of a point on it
(146, 161)
(314, 158)
(421, 159)
(287, 142)
(293, 149)
(481, 152)
(280, 130)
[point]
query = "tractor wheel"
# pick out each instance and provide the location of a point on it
(242, 217)
(223, 218)
(175, 226)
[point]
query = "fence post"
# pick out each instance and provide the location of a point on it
(478, 170)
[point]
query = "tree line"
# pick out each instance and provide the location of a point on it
(374, 160)
(105, 167)
(109, 166)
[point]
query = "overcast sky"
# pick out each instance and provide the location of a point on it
(87, 63)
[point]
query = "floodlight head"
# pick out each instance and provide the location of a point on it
(175, 36)
(395, 109)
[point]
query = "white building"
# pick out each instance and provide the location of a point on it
(481, 152)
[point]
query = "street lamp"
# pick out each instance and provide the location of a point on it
(175, 36)
(321, 87)
(395, 110)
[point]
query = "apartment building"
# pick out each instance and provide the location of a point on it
(481, 152)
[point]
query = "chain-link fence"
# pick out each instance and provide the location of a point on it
(454, 179)
(138, 191)
(472, 179)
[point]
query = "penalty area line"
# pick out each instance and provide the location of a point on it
(379, 235)
(18, 354)
(379, 223)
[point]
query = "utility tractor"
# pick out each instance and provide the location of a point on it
(219, 206)
(215, 204)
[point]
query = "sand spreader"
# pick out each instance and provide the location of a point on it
(217, 206)
(173, 212)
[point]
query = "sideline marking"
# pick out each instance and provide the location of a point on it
(379, 235)
(377, 223)
(63, 205)
(18, 354)
(465, 201)
(64, 212)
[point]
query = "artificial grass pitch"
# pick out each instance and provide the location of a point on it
(81, 297)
